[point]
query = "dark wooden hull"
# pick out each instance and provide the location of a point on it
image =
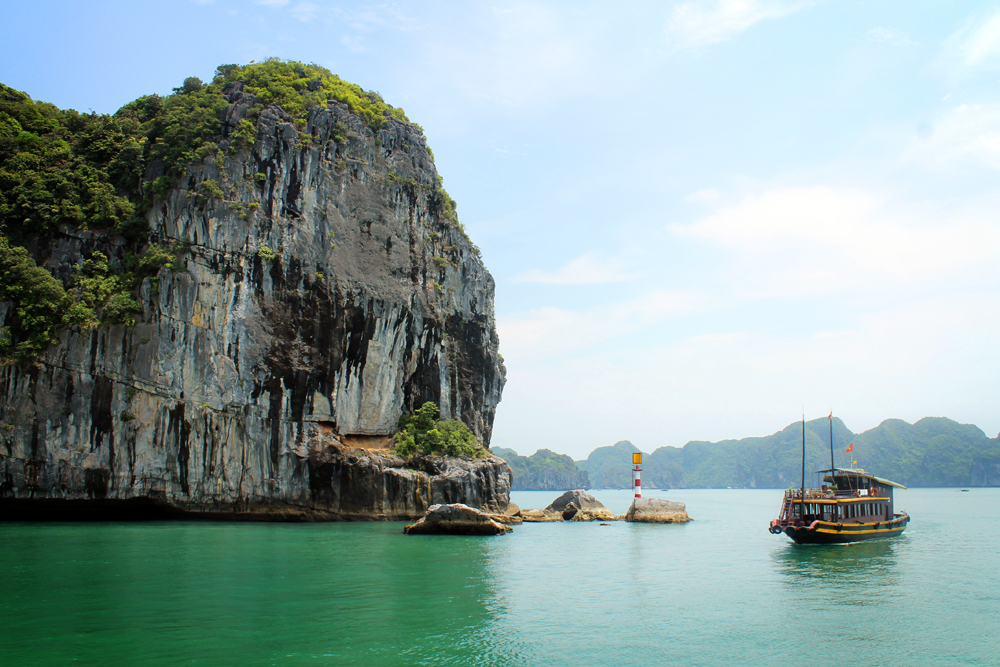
(822, 532)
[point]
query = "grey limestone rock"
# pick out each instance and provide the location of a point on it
(326, 294)
(579, 498)
(657, 510)
(540, 516)
(456, 519)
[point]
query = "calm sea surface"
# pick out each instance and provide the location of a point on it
(718, 591)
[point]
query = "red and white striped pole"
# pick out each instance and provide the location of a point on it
(636, 470)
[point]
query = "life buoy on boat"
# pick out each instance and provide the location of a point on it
(873, 491)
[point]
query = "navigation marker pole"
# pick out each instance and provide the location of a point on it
(636, 469)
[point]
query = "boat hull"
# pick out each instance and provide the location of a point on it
(822, 532)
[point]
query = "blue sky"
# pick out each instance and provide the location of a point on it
(703, 217)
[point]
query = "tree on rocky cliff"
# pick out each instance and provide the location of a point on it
(422, 433)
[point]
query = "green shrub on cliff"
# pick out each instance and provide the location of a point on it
(40, 303)
(422, 433)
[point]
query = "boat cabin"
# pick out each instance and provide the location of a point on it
(849, 495)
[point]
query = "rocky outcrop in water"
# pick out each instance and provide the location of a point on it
(326, 292)
(657, 510)
(456, 519)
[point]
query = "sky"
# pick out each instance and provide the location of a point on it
(704, 218)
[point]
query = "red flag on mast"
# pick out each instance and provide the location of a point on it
(850, 448)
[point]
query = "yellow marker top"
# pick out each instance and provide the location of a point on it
(636, 458)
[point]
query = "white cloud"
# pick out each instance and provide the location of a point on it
(983, 43)
(705, 195)
(589, 269)
(968, 133)
(305, 12)
(820, 240)
(524, 56)
(272, 3)
(699, 24)
(891, 37)
(548, 331)
(907, 361)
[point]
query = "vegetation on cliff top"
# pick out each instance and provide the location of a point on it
(422, 433)
(86, 171)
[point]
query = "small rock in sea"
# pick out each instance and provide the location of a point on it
(579, 502)
(657, 510)
(582, 499)
(510, 516)
(456, 519)
(596, 514)
(538, 516)
(605, 524)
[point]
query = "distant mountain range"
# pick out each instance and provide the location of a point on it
(935, 451)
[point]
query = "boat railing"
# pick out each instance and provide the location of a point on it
(821, 494)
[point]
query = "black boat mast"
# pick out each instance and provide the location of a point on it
(833, 468)
(802, 506)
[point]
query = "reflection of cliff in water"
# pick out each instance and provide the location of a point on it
(849, 573)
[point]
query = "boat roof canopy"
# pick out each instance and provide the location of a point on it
(856, 473)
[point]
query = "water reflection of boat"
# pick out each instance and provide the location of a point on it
(854, 506)
(872, 564)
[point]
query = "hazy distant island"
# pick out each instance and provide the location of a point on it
(934, 451)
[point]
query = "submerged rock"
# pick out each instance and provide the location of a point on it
(540, 516)
(657, 510)
(456, 519)
(602, 514)
(510, 516)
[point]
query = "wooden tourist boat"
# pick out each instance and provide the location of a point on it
(852, 507)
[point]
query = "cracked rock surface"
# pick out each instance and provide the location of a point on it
(326, 294)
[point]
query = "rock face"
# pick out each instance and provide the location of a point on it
(456, 519)
(540, 516)
(601, 514)
(657, 510)
(579, 498)
(328, 293)
(575, 505)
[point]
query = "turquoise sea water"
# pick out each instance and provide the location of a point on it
(718, 591)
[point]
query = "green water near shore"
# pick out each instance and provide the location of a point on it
(718, 591)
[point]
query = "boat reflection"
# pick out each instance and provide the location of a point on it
(849, 572)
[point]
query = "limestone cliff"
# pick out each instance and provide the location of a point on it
(324, 291)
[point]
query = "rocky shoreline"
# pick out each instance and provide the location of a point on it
(577, 505)
(333, 482)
